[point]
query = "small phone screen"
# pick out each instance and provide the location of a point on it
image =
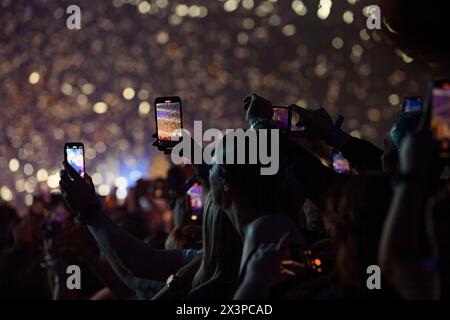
(195, 192)
(340, 164)
(75, 157)
(440, 115)
(295, 119)
(280, 118)
(412, 104)
(168, 120)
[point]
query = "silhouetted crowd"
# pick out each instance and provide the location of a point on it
(379, 231)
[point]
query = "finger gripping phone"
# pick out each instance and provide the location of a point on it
(74, 155)
(440, 115)
(169, 122)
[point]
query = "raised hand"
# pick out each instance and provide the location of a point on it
(158, 146)
(78, 192)
(257, 108)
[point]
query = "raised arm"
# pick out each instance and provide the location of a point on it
(120, 247)
(401, 259)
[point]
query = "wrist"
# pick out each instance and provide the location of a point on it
(260, 123)
(89, 215)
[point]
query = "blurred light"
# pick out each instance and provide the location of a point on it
(34, 77)
(348, 16)
(121, 182)
(6, 194)
(242, 38)
(406, 58)
(100, 107)
(143, 94)
(275, 20)
(394, 99)
(162, 37)
(194, 217)
(28, 199)
(194, 11)
(128, 93)
(103, 190)
(135, 175)
(175, 20)
(248, 23)
(97, 178)
(230, 5)
(14, 165)
(144, 7)
(301, 103)
(324, 9)
(364, 35)
(337, 43)
(365, 11)
(374, 115)
(20, 185)
(352, 1)
(117, 3)
(299, 7)
(203, 12)
(28, 169)
(87, 88)
(356, 134)
(53, 181)
(182, 10)
(248, 4)
(144, 108)
(289, 30)
(357, 50)
(121, 194)
(90, 153)
(66, 88)
(30, 186)
(162, 3)
(82, 100)
(100, 147)
(42, 175)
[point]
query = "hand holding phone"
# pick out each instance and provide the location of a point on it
(168, 117)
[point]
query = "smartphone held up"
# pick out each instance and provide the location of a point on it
(168, 117)
(74, 156)
(411, 104)
(284, 118)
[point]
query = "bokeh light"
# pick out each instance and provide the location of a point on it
(97, 85)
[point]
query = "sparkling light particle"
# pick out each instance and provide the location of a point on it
(100, 107)
(34, 77)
